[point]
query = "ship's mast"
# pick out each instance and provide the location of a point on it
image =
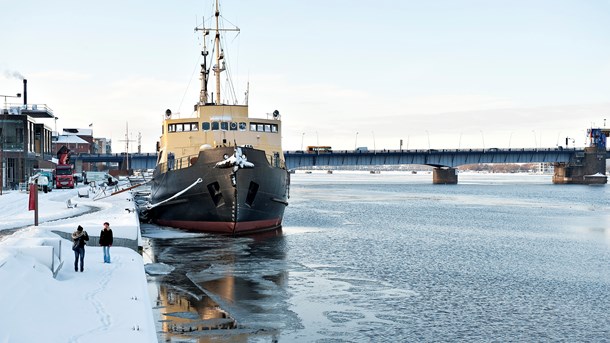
(203, 95)
(219, 56)
(218, 68)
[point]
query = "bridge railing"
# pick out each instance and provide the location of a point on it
(419, 151)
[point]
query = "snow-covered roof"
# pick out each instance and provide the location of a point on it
(65, 139)
(78, 132)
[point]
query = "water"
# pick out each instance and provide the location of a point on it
(391, 257)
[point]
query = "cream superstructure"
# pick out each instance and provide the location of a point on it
(219, 125)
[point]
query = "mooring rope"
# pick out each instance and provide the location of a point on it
(199, 180)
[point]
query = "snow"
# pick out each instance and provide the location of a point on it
(105, 303)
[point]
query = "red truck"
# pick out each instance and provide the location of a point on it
(64, 171)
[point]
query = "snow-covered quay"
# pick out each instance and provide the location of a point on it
(43, 299)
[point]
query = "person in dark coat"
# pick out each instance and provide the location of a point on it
(80, 238)
(106, 241)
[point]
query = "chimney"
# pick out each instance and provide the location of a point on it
(25, 92)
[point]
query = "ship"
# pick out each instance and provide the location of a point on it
(219, 170)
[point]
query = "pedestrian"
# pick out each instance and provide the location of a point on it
(79, 237)
(106, 241)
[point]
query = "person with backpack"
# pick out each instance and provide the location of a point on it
(80, 238)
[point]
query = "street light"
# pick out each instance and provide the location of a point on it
(374, 146)
(535, 139)
(56, 123)
(356, 142)
(428, 133)
(10, 96)
(483, 138)
(302, 136)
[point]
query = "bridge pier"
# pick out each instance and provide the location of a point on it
(444, 176)
(587, 169)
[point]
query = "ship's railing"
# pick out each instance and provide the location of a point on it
(180, 163)
(184, 162)
(276, 161)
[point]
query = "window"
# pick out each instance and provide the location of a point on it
(215, 126)
(205, 126)
(224, 126)
(259, 127)
(179, 127)
(233, 126)
(242, 126)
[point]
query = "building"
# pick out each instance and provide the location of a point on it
(25, 144)
(102, 146)
(81, 141)
(84, 143)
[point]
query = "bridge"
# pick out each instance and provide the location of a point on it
(573, 165)
(134, 161)
(430, 157)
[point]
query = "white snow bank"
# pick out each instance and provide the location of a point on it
(105, 303)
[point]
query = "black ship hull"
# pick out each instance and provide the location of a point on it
(229, 199)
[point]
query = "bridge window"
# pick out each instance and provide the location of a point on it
(185, 127)
(215, 126)
(224, 126)
(242, 126)
(205, 126)
(260, 127)
(233, 126)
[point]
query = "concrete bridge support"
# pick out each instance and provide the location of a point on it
(444, 176)
(588, 169)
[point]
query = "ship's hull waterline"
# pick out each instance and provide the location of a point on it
(228, 200)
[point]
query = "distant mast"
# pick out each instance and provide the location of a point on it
(218, 68)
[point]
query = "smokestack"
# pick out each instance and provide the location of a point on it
(25, 92)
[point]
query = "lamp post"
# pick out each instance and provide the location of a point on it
(302, 137)
(18, 95)
(535, 139)
(509, 139)
(428, 133)
(483, 138)
(55, 123)
(374, 146)
(356, 142)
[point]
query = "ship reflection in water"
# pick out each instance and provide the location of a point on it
(214, 288)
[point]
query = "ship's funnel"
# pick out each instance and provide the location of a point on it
(25, 92)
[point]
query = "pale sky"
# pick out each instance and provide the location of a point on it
(436, 74)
